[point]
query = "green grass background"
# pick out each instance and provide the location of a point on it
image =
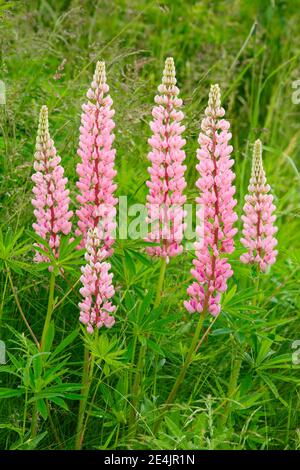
(252, 50)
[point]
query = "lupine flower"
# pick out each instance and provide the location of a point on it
(96, 170)
(97, 288)
(258, 218)
(165, 198)
(51, 198)
(211, 269)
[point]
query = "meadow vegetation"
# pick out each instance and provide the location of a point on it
(241, 390)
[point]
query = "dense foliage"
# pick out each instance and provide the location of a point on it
(241, 390)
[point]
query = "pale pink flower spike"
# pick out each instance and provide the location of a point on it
(96, 170)
(51, 198)
(97, 287)
(165, 199)
(258, 218)
(211, 269)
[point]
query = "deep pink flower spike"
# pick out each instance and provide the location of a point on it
(97, 288)
(258, 218)
(165, 199)
(96, 170)
(51, 198)
(211, 269)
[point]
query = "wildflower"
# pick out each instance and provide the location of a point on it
(96, 170)
(165, 198)
(51, 198)
(97, 287)
(211, 269)
(258, 218)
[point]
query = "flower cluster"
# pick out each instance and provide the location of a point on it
(51, 198)
(258, 218)
(165, 198)
(97, 287)
(212, 270)
(96, 170)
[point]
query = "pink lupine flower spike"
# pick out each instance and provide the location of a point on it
(96, 216)
(97, 287)
(51, 198)
(96, 170)
(165, 198)
(211, 268)
(258, 217)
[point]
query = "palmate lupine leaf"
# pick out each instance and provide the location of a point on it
(107, 352)
(12, 249)
(67, 258)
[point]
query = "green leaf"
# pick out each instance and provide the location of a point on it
(49, 336)
(37, 365)
(11, 392)
(42, 408)
(59, 402)
(155, 347)
(65, 343)
(130, 266)
(229, 295)
(30, 444)
(273, 389)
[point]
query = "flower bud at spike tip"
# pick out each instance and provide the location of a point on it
(258, 218)
(211, 269)
(165, 199)
(51, 198)
(96, 169)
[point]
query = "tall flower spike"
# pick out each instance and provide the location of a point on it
(97, 287)
(51, 198)
(165, 199)
(258, 218)
(96, 170)
(211, 269)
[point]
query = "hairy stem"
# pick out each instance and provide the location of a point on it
(184, 368)
(232, 388)
(86, 383)
(160, 283)
(136, 386)
(19, 306)
(49, 311)
(34, 421)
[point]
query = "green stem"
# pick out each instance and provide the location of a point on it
(34, 421)
(136, 387)
(3, 297)
(49, 311)
(19, 306)
(160, 282)
(184, 368)
(42, 345)
(256, 296)
(91, 404)
(86, 382)
(142, 353)
(232, 387)
(53, 428)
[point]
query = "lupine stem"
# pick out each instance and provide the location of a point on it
(88, 365)
(184, 368)
(236, 366)
(49, 311)
(232, 387)
(160, 284)
(137, 384)
(19, 306)
(43, 344)
(34, 421)
(143, 348)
